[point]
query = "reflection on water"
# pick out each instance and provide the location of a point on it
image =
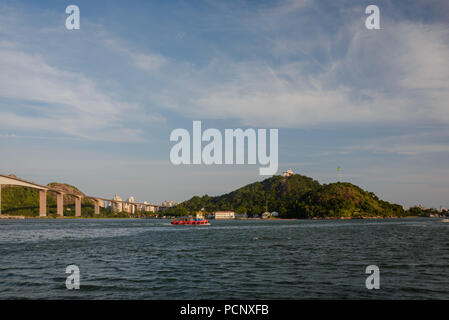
(150, 259)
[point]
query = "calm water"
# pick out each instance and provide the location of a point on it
(149, 259)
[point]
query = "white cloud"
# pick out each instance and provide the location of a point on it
(408, 149)
(148, 62)
(421, 142)
(397, 75)
(144, 61)
(66, 102)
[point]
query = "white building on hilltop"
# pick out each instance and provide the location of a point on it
(287, 173)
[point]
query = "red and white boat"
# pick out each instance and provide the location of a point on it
(197, 221)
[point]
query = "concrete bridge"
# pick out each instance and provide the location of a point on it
(9, 180)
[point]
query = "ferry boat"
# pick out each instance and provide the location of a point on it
(197, 221)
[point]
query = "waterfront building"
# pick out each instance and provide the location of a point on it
(117, 206)
(224, 215)
(130, 208)
(147, 207)
(170, 203)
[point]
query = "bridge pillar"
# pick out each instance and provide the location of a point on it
(60, 204)
(0, 199)
(77, 206)
(97, 206)
(42, 203)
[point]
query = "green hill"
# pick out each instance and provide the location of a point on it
(296, 196)
(343, 200)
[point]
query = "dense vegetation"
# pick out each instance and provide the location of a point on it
(425, 212)
(273, 194)
(343, 200)
(296, 196)
(22, 201)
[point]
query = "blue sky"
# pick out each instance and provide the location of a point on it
(95, 107)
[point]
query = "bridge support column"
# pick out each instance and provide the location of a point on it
(97, 206)
(77, 206)
(60, 204)
(42, 203)
(0, 199)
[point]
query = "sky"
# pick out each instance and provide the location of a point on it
(95, 107)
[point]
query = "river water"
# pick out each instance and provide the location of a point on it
(290, 259)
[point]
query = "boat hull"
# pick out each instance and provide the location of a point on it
(190, 223)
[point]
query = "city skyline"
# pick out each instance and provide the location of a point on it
(94, 107)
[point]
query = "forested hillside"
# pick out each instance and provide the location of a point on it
(296, 196)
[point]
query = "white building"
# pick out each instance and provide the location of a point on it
(287, 173)
(130, 208)
(170, 203)
(117, 206)
(224, 215)
(147, 207)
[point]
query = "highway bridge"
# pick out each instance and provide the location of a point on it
(10, 180)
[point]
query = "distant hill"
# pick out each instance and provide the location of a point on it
(64, 187)
(296, 196)
(343, 200)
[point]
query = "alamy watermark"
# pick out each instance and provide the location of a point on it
(213, 152)
(73, 20)
(373, 280)
(73, 280)
(373, 20)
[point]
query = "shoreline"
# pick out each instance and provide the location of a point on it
(9, 217)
